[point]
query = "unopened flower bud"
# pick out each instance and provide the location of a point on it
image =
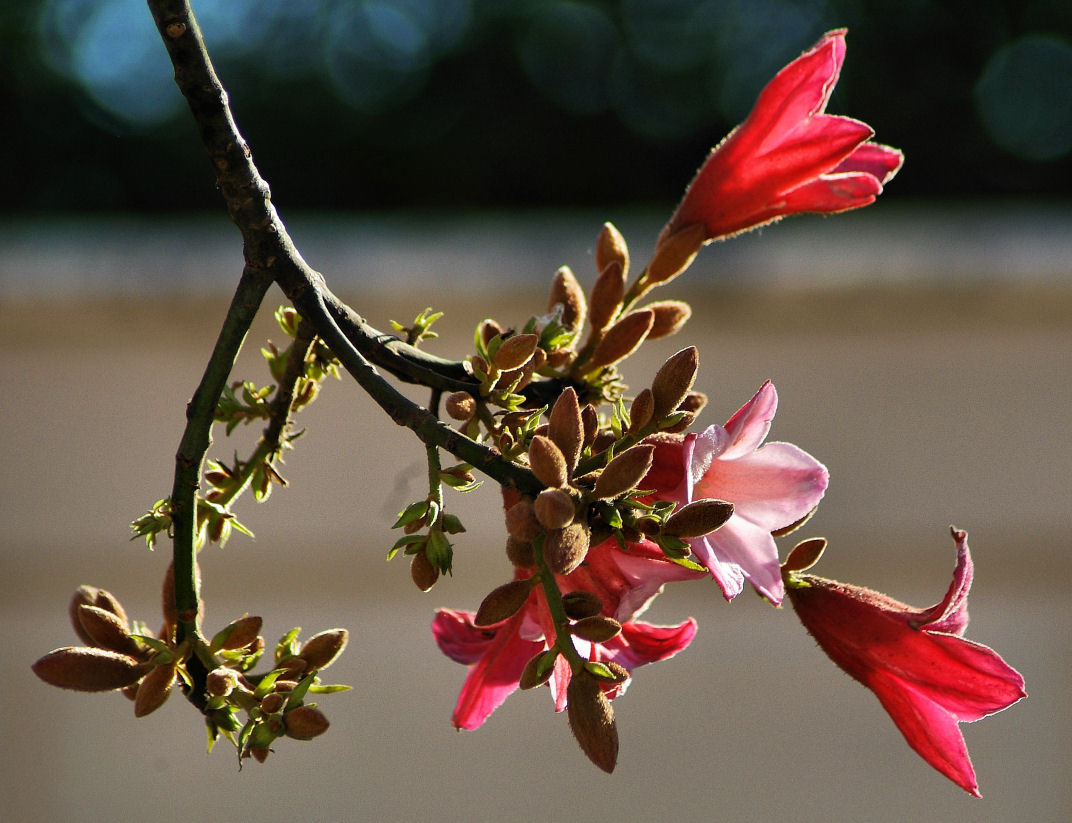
(640, 410)
(804, 555)
(603, 441)
(698, 518)
(88, 669)
(694, 402)
(565, 426)
(284, 686)
(670, 316)
(591, 720)
(504, 602)
(273, 702)
(547, 462)
(673, 381)
(622, 339)
(422, 571)
(565, 549)
(580, 604)
(597, 629)
(624, 471)
(516, 351)
(590, 420)
(554, 508)
(677, 422)
(611, 247)
(260, 754)
(221, 681)
(154, 689)
(108, 631)
(324, 648)
(567, 293)
(102, 599)
(305, 722)
(538, 670)
(521, 522)
(237, 634)
(488, 330)
(519, 552)
(460, 405)
(607, 294)
(675, 253)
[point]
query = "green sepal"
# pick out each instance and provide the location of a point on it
(451, 524)
(406, 542)
(600, 670)
(287, 645)
(267, 682)
(329, 688)
(412, 513)
(296, 697)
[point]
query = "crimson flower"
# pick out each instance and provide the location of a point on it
(788, 156)
(497, 654)
(916, 661)
(771, 486)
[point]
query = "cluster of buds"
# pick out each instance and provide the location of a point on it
(123, 655)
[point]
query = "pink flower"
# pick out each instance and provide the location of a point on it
(925, 674)
(625, 582)
(771, 487)
(788, 156)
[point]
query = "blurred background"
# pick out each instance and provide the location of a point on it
(456, 152)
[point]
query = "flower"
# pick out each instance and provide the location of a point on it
(772, 486)
(916, 661)
(787, 157)
(625, 582)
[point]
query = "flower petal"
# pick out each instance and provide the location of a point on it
(641, 643)
(749, 548)
(458, 638)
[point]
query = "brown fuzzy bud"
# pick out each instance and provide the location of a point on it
(674, 380)
(305, 722)
(489, 330)
(88, 670)
(101, 599)
(603, 441)
(675, 253)
(547, 462)
(422, 571)
(567, 293)
(108, 631)
(565, 549)
(516, 351)
(804, 555)
(531, 677)
(460, 405)
(622, 339)
(606, 298)
(597, 629)
(610, 247)
(521, 522)
(237, 634)
(580, 604)
(260, 754)
(792, 527)
(324, 648)
(554, 509)
(698, 518)
(624, 471)
(670, 316)
(591, 720)
(694, 402)
(590, 419)
(273, 702)
(640, 410)
(221, 681)
(154, 689)
(503, 602)
(565, 426)
(519, 552)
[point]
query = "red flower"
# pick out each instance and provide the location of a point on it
(925, 674)
(787, 157)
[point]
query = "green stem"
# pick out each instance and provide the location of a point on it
(557, 610)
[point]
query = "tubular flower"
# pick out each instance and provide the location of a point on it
(916, 661)
(771, 486)
(787, 157)
(625, 583)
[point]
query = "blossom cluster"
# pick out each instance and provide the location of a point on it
(571, 618)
